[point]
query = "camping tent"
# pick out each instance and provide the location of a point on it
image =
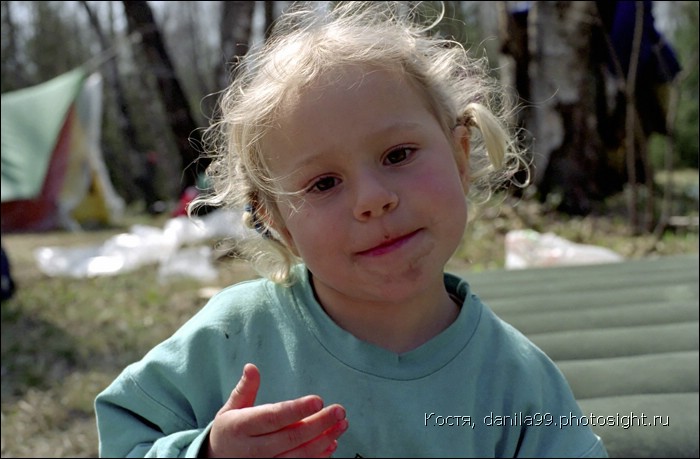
(53, 173)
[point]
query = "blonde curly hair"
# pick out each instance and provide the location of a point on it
(307, 42)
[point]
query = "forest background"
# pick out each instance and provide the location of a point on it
(54, 362)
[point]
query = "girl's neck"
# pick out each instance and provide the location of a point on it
(396, 326)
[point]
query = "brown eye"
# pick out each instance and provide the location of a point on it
(324, 184)
(398, 156)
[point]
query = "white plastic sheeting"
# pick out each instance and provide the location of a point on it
(178, 249)
(530, 249)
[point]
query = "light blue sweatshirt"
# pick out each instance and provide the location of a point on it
(479, 388)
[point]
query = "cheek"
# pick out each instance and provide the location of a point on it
(443, 195)
(308, 231)
(443, 185)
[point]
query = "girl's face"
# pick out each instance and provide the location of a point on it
(381, 189)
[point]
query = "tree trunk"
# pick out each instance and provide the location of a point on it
(269, 17)
(188, 138)
(235, 32)
(557, 72)
(124, 122)
(15, 79)
(567, 147)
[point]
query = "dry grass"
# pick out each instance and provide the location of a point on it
(64, 340)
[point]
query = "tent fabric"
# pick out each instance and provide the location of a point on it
(53, 174)
(32, 119)
(41, 213)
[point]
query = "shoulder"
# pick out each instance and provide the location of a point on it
(242, 301)
(249, 296)
(249, 304)
(241, 298)
(519, 356)
(530, 387)
(507, 351)
(221, 331)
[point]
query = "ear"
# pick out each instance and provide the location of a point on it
(274, 220)
(287, 238)
(460, 139)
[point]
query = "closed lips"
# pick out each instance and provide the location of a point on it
(389, 245)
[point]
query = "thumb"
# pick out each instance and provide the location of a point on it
(243, 395)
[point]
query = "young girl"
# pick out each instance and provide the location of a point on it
(351, 139)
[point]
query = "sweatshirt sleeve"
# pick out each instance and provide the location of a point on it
(533, 402)
(554, 425)
(164, 404)
(140, 426)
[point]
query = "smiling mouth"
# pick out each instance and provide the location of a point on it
(388, 246)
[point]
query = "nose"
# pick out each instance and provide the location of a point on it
(373, 198)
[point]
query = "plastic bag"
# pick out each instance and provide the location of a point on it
(144, 245)
(528, 249)
(191, 262)
(119, 254)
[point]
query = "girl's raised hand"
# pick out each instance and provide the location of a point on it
(292, 428)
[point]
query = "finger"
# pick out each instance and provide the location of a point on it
(323, 445)
(247, 431)
(245, 392)
(272, 417)
(328, 422)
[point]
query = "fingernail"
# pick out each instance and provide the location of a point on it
(339, 413)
